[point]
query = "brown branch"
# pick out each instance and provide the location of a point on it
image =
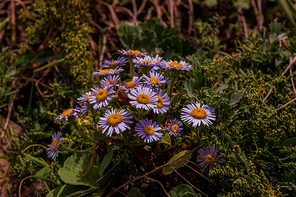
(141, 8)
(195, 170)
(285, 104)
(171, 10)
(159, 184)
(188, 181)
(103, 50)
(191, 17)
(112, 12)
(125, 10)
(156, 169)
(242, 19)
(134, 3)
(13, 36)
(158, 12)
(46, 38)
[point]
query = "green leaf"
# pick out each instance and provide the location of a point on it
(245, 4)
(101, 182)
(160, 118)
(106, 161)
(291, 141)
(39, 162)
(288, 11)
(180, 190)
(189, 86)
(221, 88)
(191, 194)
(63, 191)
(168, 170)
(211, 3)
(235, 98)
(89, 164)
(99, 193)
(135, 192)
(165, 139)
(44, 171)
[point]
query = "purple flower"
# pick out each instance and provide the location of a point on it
(106, 72)
(68, 113)
(84, 97)
(127, 86)
(147, 129)
(53, 147)
(163, 103)
(175, 127)
(115, 121)
(182, 65)
(121, 61)
(110, 80)
(143, 98)
(101, 97)
(196, 114)
(156, 79)
(131, 52)
(209, 157)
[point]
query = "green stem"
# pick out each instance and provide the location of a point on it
(172, 85)
(132, 65)
(76, 151)
(33, 146)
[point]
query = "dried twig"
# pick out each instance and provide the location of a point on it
(46, 38)
(195, 170)
(159, 184)
(187, 181)
(141, 8)
(242, 19)
(286, 104)
(191, 16)
(171, 10)
(112, 12)
(103, 50)
(134, 3)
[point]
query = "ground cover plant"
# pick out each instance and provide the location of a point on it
(112, 101)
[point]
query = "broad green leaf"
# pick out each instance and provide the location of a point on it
(39, 162)
(106, 161)
(245, 4)
(168, 170)
(83, 192)
(189, 86)
(77, 160)
(235, 98)
(291, 141)
(44, 171)
(211, 3)
(63, 191)
(180, 190)
(288, 11)
(89, 164)
(101, 182)
(135, 192)
(191, 194)
(221, 88)
(160, 118)
(73, 176)
(99, 193)
(165, 139)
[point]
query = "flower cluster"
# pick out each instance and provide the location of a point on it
(133, 105)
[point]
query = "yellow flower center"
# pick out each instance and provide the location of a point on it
(210, 159)
(149, 130)
(109, 82)
(114, 119)
(158, 61)
(176, 64)
(130, 85)
(198, 113)
(174, 128)
(55, 145)
(143, 98)
(87, 96)
(154, 80)
(134, 51)
(106, 71)
(101, 95)
(146, 61)
(159, 103)
(113, 62)
(67, 112)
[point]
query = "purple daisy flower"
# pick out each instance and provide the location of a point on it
(110, 80)
(209, 157)
(195, 115)
(143, 98)
(121, 61)
(84, 108)
(84, 97)
(147, 129)
(132, 52)
(68, 113)
(156, 79)
(101, 97)
(163, 103)
(115, 121)
(147, 60)
(53, 147)
(182, 65)
(106, 72)
(175, 127)
(127, 86)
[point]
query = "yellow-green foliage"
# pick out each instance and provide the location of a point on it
(67, 23)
